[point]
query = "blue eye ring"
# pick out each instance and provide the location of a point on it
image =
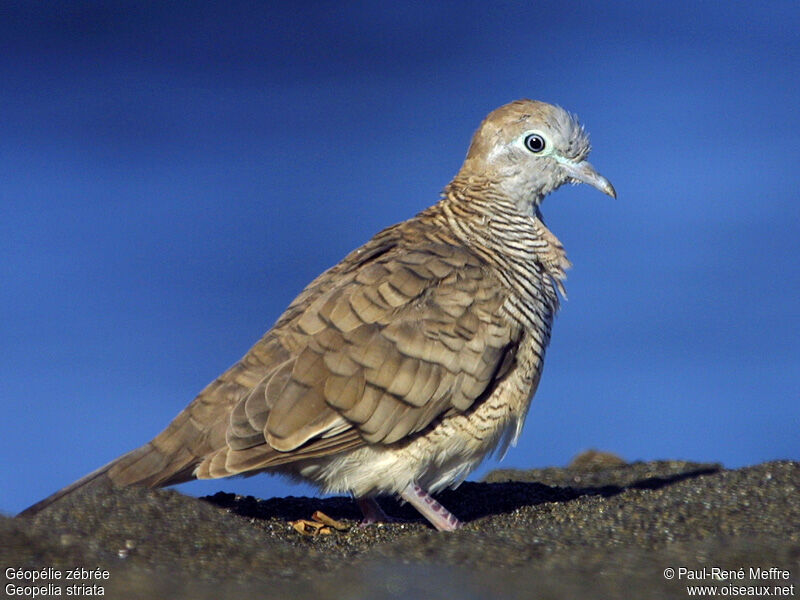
(535, 143)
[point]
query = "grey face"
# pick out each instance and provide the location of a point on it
(531, 148)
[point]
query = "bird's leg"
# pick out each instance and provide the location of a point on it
(428, 507)
(372, 511)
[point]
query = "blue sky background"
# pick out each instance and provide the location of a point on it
(172, 176)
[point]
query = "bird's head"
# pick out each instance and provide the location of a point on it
(528, 149)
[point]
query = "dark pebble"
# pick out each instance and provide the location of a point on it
(596, 529)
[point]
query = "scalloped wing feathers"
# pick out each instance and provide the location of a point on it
(379, 352)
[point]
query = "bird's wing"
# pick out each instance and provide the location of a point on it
(404, 337)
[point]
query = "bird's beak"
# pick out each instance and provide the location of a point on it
(583, 172)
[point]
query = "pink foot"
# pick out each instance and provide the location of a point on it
(372, 511)
(441, 518)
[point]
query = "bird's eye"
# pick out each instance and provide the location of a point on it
(535, 143)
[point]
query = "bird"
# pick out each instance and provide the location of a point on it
(401, 368)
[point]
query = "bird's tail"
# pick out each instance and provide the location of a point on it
(170, 458)
(199, 430)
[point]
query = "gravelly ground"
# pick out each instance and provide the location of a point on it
(597, 529)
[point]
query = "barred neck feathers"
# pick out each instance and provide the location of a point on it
(527, 256)
(520, 153)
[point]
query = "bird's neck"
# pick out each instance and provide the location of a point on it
(516, 242)
(491, 194)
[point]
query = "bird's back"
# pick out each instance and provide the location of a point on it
(415, 327)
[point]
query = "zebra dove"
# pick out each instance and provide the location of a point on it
(399, 369)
